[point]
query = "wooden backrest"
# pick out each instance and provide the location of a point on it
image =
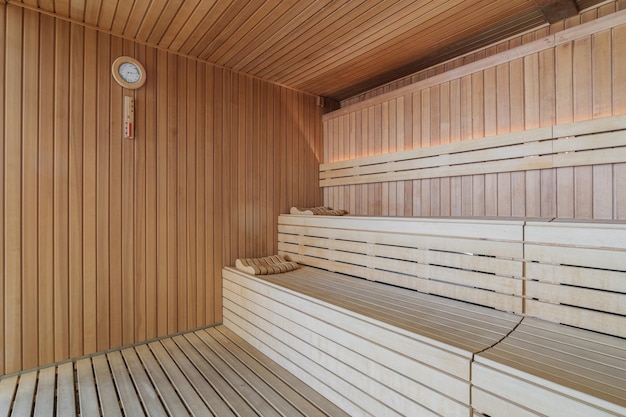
(598, 141)
(478, 261)
(576, 274)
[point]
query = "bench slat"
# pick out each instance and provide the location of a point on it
(373, 395)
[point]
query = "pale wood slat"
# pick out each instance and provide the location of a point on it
(323, 369)
(583, 298)
(25, 394)
(65, 390)
(581, 277)
(582, 375)
(493, 229)
(575, 316)
(131, 403)
(106, 387)
(166, 390)
(300, 366)
(578, 257)
(308, 401)
(310, 236)
(586, 127)
(391, 371)
(46, 384)
(502, 302)
(194, 348)
(147, 394)
(525, 394)
(365, 375)
(183, 387)
(545, 150)
(87, 396)
(571, 365)
(198, 383)
(447, 157)
(515, 138)
(483, 401)
(431, 346)
(270, 403)
(467, 325)
(7, 392)
(599, 234)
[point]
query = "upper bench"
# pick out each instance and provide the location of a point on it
(567, 279)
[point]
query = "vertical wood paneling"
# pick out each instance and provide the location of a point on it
(576, 80)
(13, 192)
(46, 196)
(107, 241)
(29, 188)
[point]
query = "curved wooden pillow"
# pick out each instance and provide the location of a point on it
(274, 264)
(318, 211)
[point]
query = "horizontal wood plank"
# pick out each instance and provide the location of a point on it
(529, 150)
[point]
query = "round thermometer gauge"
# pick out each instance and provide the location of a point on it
(128, 72)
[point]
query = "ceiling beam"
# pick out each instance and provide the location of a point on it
(557, 10)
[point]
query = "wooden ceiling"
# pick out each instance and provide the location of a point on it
(333, 48)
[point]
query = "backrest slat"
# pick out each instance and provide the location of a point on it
(477, 261)
(576, 274)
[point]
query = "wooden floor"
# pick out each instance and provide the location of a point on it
(203, 373)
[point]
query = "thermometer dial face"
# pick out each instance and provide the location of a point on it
(130, 72)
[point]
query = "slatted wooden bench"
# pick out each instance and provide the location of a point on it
(573, 362)
(539, 330)
(380, 349)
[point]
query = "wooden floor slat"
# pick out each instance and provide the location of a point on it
(202, 373)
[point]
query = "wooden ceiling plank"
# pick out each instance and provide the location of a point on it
(107, 11)
(62, 7)
(77, 10)
(178, 22)
(302, 27)
(190, 28)
(264, 17)
(169, 11)
(393, 54)
(92, 11)
(482, 12)
(195, 41)
(343, 48)
(325, 34)
(235, 17)
(557, 10)
(216, 20)
(121, 16)
(137, 16)
(264, 41)
(353, 88)
(150, 19)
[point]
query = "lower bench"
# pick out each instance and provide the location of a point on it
(383, 350)
(373, 349)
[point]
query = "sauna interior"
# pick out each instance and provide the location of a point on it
(108, 241)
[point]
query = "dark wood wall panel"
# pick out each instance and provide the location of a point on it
(107, 241)
(580, 78)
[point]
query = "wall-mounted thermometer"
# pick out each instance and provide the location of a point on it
(129, 117)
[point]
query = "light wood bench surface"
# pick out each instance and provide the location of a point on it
(573, 362)
(558, 347)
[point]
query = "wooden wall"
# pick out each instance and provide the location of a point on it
(579, 75)
(106, 241)
(604, 9)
